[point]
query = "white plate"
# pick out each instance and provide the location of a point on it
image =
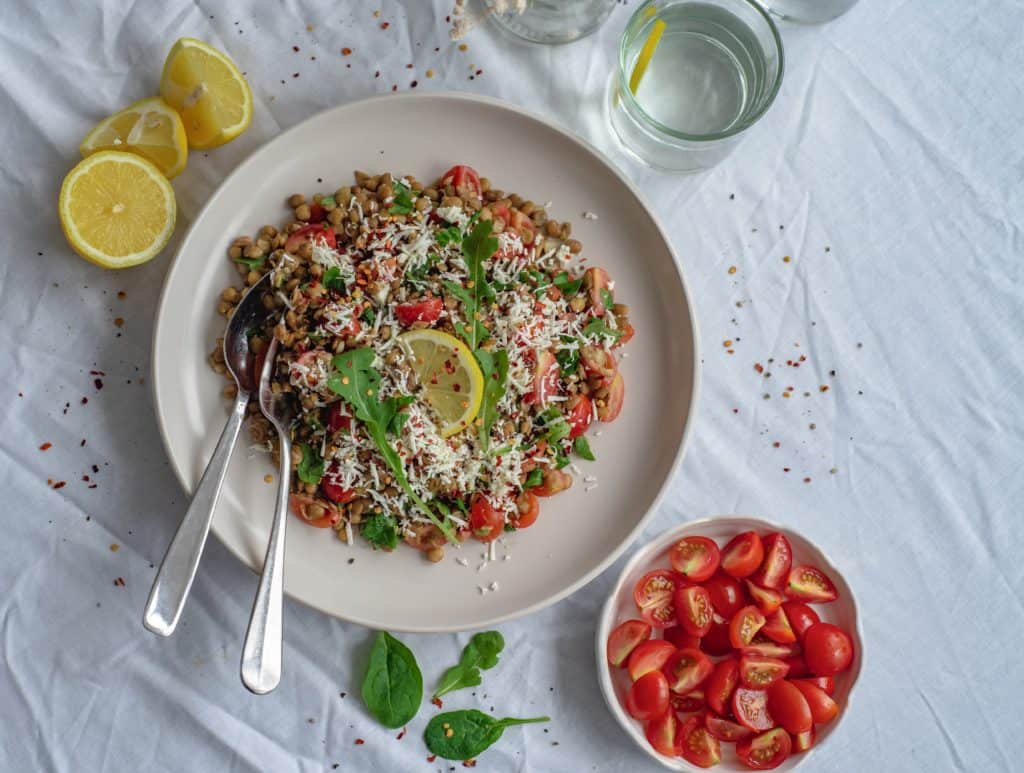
(654, 555)
(579, 533)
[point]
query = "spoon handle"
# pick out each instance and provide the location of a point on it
(174, 579)
(261, 653)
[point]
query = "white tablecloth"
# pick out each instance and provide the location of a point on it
(889, 169)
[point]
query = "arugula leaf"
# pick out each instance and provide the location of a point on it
(393, 685)
(568, 359)
(381, 531)
(534, 478)
(250, 263)
(368, 315)
(402, 201)
(555, 424)
(463, 735)
(582, 448)
(567, 285)
(598, 327)
(418, 275)
(607, 298)
(311, 468)
(332, 279)
(449, 235)
(481, 653)
(477, 246)
(494, 366)
(358, 382)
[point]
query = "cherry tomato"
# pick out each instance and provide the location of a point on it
(545, 379)
(743, 555)
(768, 649)
(720, 685)
(595, 280)
(685, 704)
(803, 741)
(767, 600)
(598, 362)
(334, 492)
(662, 734)
(696, 558)
(823, 708)
(653, 595)
(717, 640)
(765, 751)
(827, 649)
(789, 708)
(336, 420)
(426, 310)
(826, 683)
(759, 672)
(778, 558)
(808, 583)
(581, 413)
(744, 625)
(648, 656)
(725, 729)
(800, 616)
(553, 482)
(628, 331)
(301, 504)
(726, 594)
(680, 638)
(686, 670)
(317, 214)
(750, 707)
(777, 627)
(315, 232)
(486, 523)
(522, 223)
(527, 510)
(648, 696)
(697, 745)
(612, 404)
(693, 610)
(625, 638)
(797, 666)
(460, 176)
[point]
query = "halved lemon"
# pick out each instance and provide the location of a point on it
(117, 209)
(449, 374)
(149, 127)
(208, 89)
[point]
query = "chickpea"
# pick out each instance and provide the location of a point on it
(296, 200)
(435, 554)
(303, 212)
(229, 294)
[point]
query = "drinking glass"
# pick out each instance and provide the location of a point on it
(692, 76)
(550, 21)
(809, 11)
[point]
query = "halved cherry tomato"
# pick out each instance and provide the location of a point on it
(750, 707)
(803, 741)
(797, 666)
(662, 733)
(765, 751)
(625, 638)
(789, 708)
(653, 595)
(545, 379)
(595, 280)
(648, 696)
(696, 558)
(426, 310)
(301, 504)
(486, 523)
(336, 420)
(552, 482)
(522, 223)
(823, 708)
(743, 555)
(680, 638)
(800, 616)
(826, 683)
(648, 656)
(628, 331)
(726, 594)
(725, 729)
(827, 649)
(315, 232)
(317, 214)
(685, 704)
(693, 610)
(778, 558)
(461, 176)
(337, 494)
(777, 627)
(808, 583)
(581, 413)
(744, 625)
(759, 672)
(610, 408)
(720, 685)
(527, 510)
(599, 362)
(767, 599)
(686, 670)
(764, 648)
(717, 641)
(697, 745)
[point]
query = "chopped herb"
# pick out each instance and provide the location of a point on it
(556, 425)
(251, 263)
(607, 299)
(332, 279)
(568, 359)
(328, 201)
(402, 201)
(598, 327)
(561, 460)
(311, 468)
(510, 528)
(481, 653)
(313, 420)
(566, 284)
(534, 478)
(494, 366)
(369, 315)
(582, 448)
(449, 235)
(381, 531)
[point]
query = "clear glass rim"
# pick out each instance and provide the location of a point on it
(742, 126)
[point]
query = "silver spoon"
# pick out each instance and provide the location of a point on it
(178, 569)
(261, 653)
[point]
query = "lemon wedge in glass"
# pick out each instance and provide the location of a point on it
(150, 127)
(452, 382)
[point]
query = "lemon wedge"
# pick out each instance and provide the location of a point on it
(449, 374)
(208, 89)
(117, 209)
(149, 127)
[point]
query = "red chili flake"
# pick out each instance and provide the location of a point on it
(394, 88)
(759, 367)
(408, 66)
(118, 321)
(97, 373)
(82, 443)
(479, 72)
(97, 383)
(469, 764)
(376, 74)
(401, 735)
(119, 582)
(437, 702)
(414, 84)
(785, 469)
(46, 446)
(346, 51)
(431, 758)
(735, 410)
(295, 75)
(776, 444)
(95, 468)
(807, 480)
(823, 388)
(85, 478)
(93, 485)
(85, 400)
(385, 24)
(60, 484)
(360, 742)
(121, 295)
(295, 49)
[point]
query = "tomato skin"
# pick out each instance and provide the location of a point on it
(697, 746)
(693, 610)
(803, 741)
(554, 481)
(743, 555)
(687, 670)
(648, 696)
(789, 708)
(336, 493)
(595, 280)
(767, 599)
(486, 523)
(800, 616)
(823, 708)
(426, 310)
(598, 362)
(680, 638)
(662, 733)
(545, 379)
(778, 558)
(744, 624)
(758, 672)
(777, 628)
(826, 683)
(527, 510)
(721, 684)
(750, 707)
(628, 331)
(765, 751)
(648, 656)
(726, 594)
(653, 594)
(717, 642)
(581, 413)
(336, 420)
(625, 638)
(695, 558)
(523, 224)
(797, 666)
(311, 232)
(685, 704)
(725, 729)
(461, 175)
(808, 583)
(827, 649)
(768, 649)
(300, 504)
(612, 406)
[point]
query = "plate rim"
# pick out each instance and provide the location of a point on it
(600, 157)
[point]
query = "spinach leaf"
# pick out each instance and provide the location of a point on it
(607, 298)
(561, 460)
(598, 327)
(381, 531)
(332, 279)
(494, 366)
(555, 424)
(534, 478)
(311, 468)
(402, 201)
(567, 359)
(393, 685)
(567, 285)
(477, 246)
(480, 653)
(582, 448)
(471, 732)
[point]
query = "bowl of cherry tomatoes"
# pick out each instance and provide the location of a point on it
(729, 642)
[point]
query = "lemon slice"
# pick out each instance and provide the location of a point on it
(208, 90)
(150, 127)
(449, 374)
(650, 45)
(117, 209)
